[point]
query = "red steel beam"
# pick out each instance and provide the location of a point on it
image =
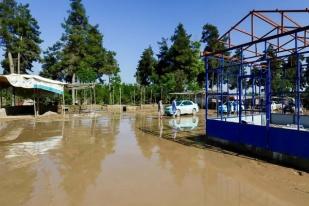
(274, 24)
(245, 32)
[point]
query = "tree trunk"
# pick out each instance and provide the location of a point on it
(18, 59)
(109, 89)
(73, 90)
(119, 95)
(18, 63)
(11, 63)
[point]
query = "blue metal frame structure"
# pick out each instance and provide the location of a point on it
(288, 42)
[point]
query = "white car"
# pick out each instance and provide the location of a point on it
(183, 107)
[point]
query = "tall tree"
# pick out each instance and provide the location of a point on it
(80, 48)
(51, 63)
(146, 67)
(80, 55)
(181, 56)
(96, 54)
(210, 37)
(164, 63)
(20, 35)
(74, 39)
(198, 66)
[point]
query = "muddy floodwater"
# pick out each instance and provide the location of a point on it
(133, 160)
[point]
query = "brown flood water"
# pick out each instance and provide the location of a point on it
(126, 160)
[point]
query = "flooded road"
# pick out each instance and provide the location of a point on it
(133, 160)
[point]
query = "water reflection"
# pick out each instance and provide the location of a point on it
(88, 142)
(170, 155)
(122, 160)
(22, 142)
(184, 123)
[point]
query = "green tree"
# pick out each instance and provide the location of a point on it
(198, 67)
(74, 40)
(96, 53)
(20, 36)
(51, 63)
(210, 37)
(80, 48)
(181, 56)
(146, 67)
(164, 63)
(111, 66)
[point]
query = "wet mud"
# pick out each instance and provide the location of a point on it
(133, 159)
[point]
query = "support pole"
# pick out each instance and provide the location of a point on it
(34, 103)
(206, 89)
(1, 98)
(73, 89)
(141, 97)
(240, 86)
(134, 96)
(120, 95)
(268, 89)
(298, 76)
(221, 86)
(63, 104)
(151, 95)
(94, 95)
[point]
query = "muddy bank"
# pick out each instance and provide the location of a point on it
(125, 159)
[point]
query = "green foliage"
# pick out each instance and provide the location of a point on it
(181, 57)
(163, 65)
(85, 74)
(80, 51)
(19, 33)
(210, 37)
(146, 67)
(51, 65)
(176, 66)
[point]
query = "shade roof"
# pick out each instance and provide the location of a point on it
(27, 81)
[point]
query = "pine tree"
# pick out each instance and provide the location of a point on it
(146, 67)
(163, 65)
(74, 40)
(181, 56)
(210, 37)
(81, 50)
(19, 34)
(52, 62)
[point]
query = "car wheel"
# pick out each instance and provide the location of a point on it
(194, 111)
(178, 112)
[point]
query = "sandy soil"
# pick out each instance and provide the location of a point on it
(133, 159)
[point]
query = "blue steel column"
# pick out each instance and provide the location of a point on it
(298, 76)
(228, 91)
(240, 86)
(268, 89)
(252, 92)
(221, 86)
(206, 88)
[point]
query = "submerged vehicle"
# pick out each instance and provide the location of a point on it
(183, 107)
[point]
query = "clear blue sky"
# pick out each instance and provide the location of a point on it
(129, 26)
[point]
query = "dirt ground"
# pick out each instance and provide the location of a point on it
(133, 159)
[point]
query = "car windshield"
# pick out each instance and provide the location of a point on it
(178, 103)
